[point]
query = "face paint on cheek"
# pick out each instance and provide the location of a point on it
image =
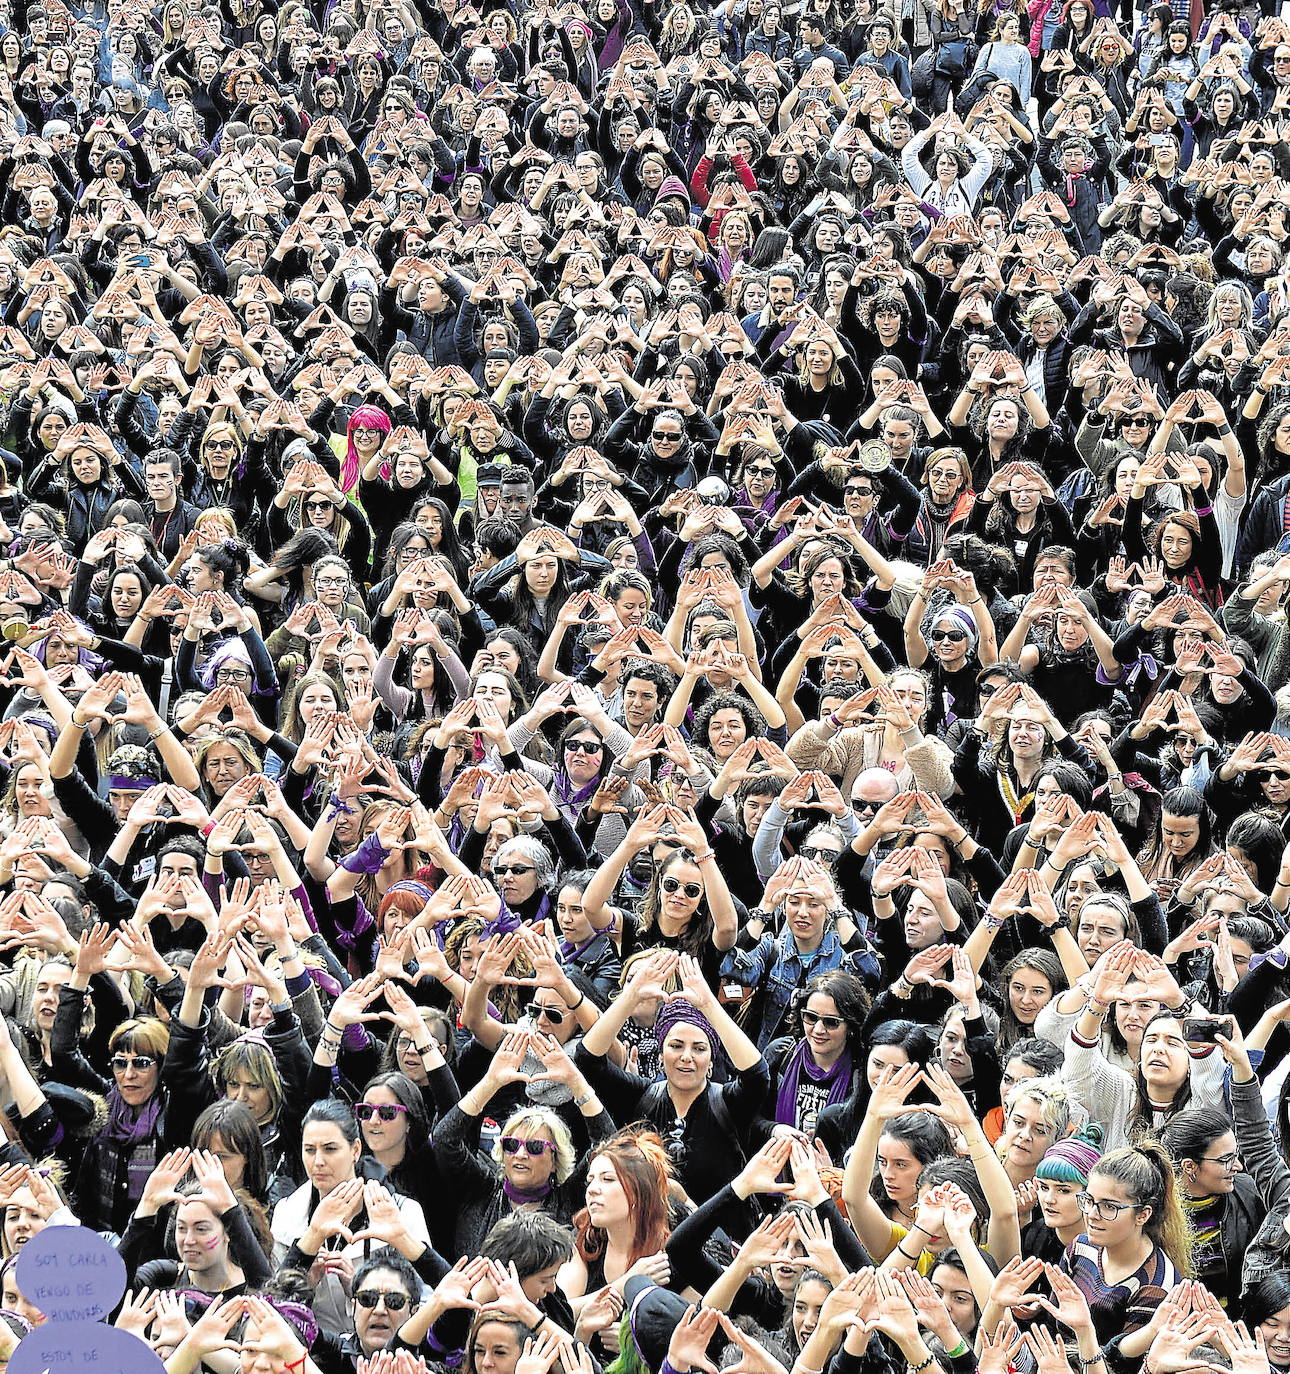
(209, 1244)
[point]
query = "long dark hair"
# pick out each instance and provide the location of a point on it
(960, 899)
(1144, 1111)
(1189, 1134)
(302, 550)
(697, 935)
(1185, 803)
(106, 614)
(449, 539)
(919, 1045)
(524, 606)
(1042, 961)
(851, 998)
(926, 1138)
(407, 1092)
(1260, 839)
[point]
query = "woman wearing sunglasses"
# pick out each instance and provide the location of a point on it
(586, 750)
(953, 642)
(583, 762)
(558, 1011)
(387, 1291)
(533, 1165)
(319, 1228)
(396, 1129)
(115, 1165)
(687, 905)
(824, 1065)
(757, 486)
(321, 506)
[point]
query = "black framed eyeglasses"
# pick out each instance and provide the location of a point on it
(818, 855)
(583, 746)
(950, 636)
(502, 870)
(1228, 1161)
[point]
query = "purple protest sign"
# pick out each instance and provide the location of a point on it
(76, 1347)
(71, 1274)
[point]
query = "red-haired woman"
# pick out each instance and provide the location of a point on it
(624, 1226)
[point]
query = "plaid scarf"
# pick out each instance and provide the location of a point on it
(129, 1138)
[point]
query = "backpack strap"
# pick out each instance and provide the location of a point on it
(721, 1113)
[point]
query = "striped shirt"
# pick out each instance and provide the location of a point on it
(1125, 1306)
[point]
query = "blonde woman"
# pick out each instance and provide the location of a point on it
(734, 239)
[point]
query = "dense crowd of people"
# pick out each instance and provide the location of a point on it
(646, 701)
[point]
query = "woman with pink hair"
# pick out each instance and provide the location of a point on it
(368, 426)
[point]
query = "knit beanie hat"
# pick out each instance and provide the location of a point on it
(1071, 1160)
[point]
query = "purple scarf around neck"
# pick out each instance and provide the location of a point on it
(837, 1080)
(522, 1196)
(575, 798)
(132, 1134)
(131, 1125)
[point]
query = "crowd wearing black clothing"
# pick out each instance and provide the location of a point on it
(646, 722)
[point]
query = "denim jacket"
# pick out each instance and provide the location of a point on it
(776, 968)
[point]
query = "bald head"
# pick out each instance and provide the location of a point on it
(873, 788)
